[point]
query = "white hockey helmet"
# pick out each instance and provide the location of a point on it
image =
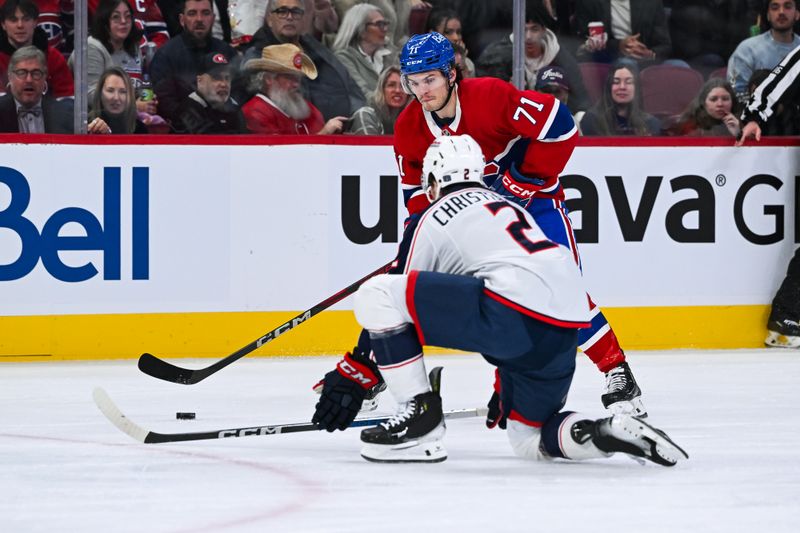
(451, 160)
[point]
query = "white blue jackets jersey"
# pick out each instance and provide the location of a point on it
(474, 231)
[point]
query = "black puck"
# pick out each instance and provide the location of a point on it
(185, 416)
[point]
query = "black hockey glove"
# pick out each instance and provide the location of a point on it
(495, 416)
(343, 391)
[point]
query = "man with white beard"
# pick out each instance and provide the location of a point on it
(278, 106)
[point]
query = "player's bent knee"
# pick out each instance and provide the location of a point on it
(380, 303)
(524, 440)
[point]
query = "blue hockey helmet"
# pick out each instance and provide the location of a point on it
(429, 51)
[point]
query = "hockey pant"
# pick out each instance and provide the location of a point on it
(535, 360)
(598, 341)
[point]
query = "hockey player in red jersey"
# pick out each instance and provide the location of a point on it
(527, 139)
(476, 273)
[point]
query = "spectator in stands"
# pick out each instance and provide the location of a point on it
(785, 119)
(18, 19)
(635, 30)
(174, 69)
(147, 16)
(209, 109)
(711, 113)
(393, 11)
(447, 22)
(114, 40)
(333, 91)
(26, 109)
(619, 111)
(705, 33)
(278, 106)
(113, 105)
(385, 105)
(766, 50)
(553, 80)
(361, 45)
(542, 49)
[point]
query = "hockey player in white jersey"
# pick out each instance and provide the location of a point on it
(478, 275)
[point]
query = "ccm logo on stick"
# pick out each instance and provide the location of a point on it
(264, 430)
(280, 330)
(105, 237)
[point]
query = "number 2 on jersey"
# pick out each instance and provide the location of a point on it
(521, 110)
(517, 229)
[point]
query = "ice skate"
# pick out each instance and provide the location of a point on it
(622, 395)
(635, 437)
(413, 435)
(783, 334)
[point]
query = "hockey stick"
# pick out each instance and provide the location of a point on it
(128, 426)
(160, 369)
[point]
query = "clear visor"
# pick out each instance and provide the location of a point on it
(422, 82)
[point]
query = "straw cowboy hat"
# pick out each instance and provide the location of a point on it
(283, 59)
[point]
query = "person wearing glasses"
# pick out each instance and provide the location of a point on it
(18, 19)
(174, 70)
(26, 109)
(361, 45)
(333, 92)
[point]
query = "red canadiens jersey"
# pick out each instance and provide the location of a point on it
(533, 130)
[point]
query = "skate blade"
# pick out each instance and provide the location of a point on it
(668, 453)
(777, 340)
(369, 405)
(633, 407)
(407, 452)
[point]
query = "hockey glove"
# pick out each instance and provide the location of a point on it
(343, 391)
(495, 416)
(517, 187)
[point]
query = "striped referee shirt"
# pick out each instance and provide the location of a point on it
(781, 85)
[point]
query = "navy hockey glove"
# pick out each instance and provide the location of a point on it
(495, 416)
(517, 187)
(343, 391)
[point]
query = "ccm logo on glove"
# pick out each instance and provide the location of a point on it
(356, 374)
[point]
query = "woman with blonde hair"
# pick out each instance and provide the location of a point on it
(114, 105)
(384, 106)
(361, 45)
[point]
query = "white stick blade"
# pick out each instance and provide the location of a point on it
(115, 416)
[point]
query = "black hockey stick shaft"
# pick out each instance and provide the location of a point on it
(160, 369)
(131, 428)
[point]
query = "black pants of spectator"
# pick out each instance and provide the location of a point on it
(786, 304)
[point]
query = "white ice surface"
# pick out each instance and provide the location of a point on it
(64, 467)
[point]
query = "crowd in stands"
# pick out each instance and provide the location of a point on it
(624, 67)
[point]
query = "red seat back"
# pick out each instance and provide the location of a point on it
(667, 90)
(594, 77)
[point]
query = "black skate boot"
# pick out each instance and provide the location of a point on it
(633, 436)
(622, 393)
(783, 334)
(413, 435)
